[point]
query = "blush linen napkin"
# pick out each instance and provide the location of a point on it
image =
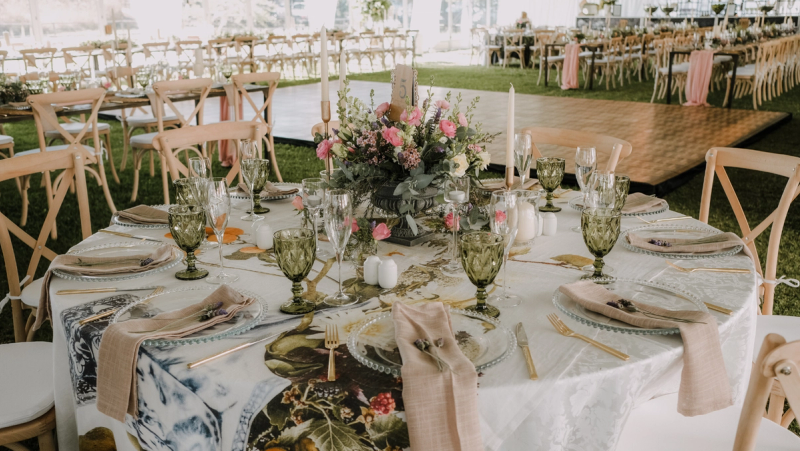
(639, 203)
(726, 240)
(701, 63)
(704, 380)
(143, 214)
(441, 406)
(569, 78)
(99, 266)
(269, 190)
(119, 347)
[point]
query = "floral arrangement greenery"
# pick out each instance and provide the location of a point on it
(12, 91)
(416, 152)
(376, 9)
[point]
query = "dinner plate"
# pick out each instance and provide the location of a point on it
(116, 220)
(178, 298)
(136, 94)
(640, 291)
(238, 195)
(483, 340)
(121, 249)
(577, 204)
(666, 232)
(16, 107)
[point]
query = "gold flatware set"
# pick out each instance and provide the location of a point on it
(110, 312)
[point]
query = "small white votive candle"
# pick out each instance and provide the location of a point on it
(458, 196)
(371, 267)
(314, 201)
(528, 223)
(264, 237)
(387, 274)
(550, 224)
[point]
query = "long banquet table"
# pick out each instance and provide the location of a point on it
(248, 399)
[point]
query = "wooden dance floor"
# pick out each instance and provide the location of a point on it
(667, 140)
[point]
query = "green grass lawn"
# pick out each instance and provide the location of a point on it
(758, 196)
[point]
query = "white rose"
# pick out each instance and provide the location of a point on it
(461, 165)
(339, 150)
(443, 139)
(486, 158)
(371, 117)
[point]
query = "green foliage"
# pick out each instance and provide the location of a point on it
(375, 9)
(12, 91)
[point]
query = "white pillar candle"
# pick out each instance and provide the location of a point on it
(387, 274)
(550, 224)
(199, 67)
(458, 196)
(323, 64)
(510, 130)
(528, 225)
(371, 266)
(264, 237)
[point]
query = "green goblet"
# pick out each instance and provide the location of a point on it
(482, 257)
(623, 186)
(187, 223)
(259, 182)
(295, 253)
(185, 192)
(600, 227)
(550, 171)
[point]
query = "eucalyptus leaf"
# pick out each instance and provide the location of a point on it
(412, 224)
(424, 180)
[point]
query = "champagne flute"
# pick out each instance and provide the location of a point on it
(249, 173)
(218, 212)
(314, 191)
(505, 221)
(339, 225)
(199, 171)
(585, 166)
(456, 192)
(522, 156)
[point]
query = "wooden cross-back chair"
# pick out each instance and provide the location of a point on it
(171, 142)
(71, 161)
(243, 49)
(78, 59)
(720, 158)
(657, 426)
(164, 91)
(155, 50)
(33, 57)
(512, 44)
(185, 52)
(619, 149)
(240, 82)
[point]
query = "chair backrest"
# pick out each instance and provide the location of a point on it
(170, 142)
(719, 158)
(777, 361)
(84, 55)
(618, 149)
(72, 164)
(116, 75)
(218, 48)
(513, 38)
(152, 49)
(240, 82)
(34, 57)
(165, 89)
(43, 106)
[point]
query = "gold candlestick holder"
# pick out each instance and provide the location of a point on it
(325, 106)
(509, 177)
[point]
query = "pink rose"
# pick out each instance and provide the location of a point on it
(462, 120)
(355, 226)
(324, 149)
(443, 104)
(413, 118)
(391, 136)
(499, 216)
(448, 222)
(107, 85)
(381, 232)
(351, 150)
(447, 127)
(382, 109)
(297, 202)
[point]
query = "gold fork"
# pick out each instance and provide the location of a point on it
(691, 270)
(108, 313)
(567, 332)
(656, 221)
(331, 343)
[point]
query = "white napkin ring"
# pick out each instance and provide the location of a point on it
(793, 283)
(9, 297)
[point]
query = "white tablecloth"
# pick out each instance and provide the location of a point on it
(580, 402)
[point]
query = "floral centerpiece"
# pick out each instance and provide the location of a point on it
(364, 239)
(400, 165)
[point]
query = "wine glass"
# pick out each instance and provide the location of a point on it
(143, 77)
(550, 171)
(218, 212)
(601, 227)
(585, 166)
(482, 256)
(522, 156)
(294, 252)
(504, 221)
(456, 192)
(199, 171)
(623, 186)
(314, 191)
(339, 225)
(187, 224)
(185, 190)
(200, 167)
(255, 172)
(605, 190)
(227, 72)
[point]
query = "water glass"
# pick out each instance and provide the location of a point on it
(295, 254)
(314, 197)
(218, 212)
(456, 193)
(623, 186)
(605, 190)
(601, 227)
(585, 166)
(339, 226)
(482, 256)
(200, 167)
(185, 190)
(187, 224)
(522, 156)
(550, 171)
(504, 221)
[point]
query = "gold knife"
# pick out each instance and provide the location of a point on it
(112, 311)
(522, 341)
(102, 290)
(128, 235)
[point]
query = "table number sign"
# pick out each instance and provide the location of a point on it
(404, 84)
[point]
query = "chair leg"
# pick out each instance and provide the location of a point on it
(137, 166)
(164, 178)
(126, 139)
(269, 140)
(107, 138)
(46, 442)
(48, 187)
(101, 169)
(727, 93)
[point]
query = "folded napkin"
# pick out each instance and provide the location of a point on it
(723, 241)
(98, 266)
(704, 381)
(119, 347)
(143, 214)
(441, 406)
(638, 203)
(501, 184)
(269, 190)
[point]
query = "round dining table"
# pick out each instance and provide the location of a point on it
(256, 398)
